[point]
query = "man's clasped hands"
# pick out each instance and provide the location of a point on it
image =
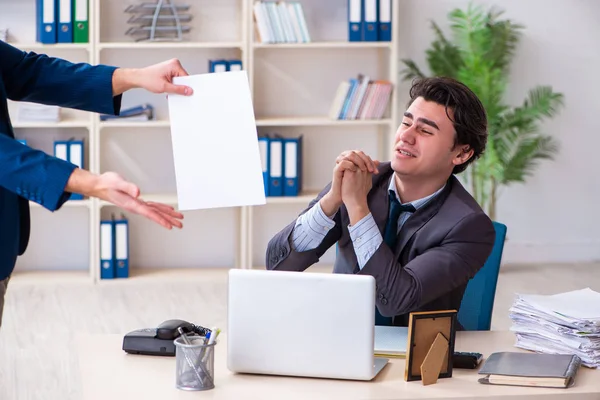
(352, 181)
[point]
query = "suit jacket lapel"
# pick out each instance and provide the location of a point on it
(380, 201)
(420, 217)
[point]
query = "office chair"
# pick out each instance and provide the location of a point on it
(475, 312)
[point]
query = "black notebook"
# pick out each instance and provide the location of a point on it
(530, 369)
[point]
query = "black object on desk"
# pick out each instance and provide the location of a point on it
(466, 360)
(159, 341)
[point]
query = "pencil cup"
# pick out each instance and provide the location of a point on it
(195, 367)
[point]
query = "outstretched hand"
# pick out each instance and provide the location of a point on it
(113, 188)
(157, 78)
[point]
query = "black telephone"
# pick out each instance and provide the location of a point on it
(159, 341)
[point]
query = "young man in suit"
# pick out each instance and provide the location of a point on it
(32, 175)
(409, 222)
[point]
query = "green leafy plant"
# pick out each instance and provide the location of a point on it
(479, 55)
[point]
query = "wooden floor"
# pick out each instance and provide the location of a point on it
(38, 361)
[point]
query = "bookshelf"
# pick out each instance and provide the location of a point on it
(293, 86)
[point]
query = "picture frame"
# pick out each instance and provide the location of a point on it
(430, 346)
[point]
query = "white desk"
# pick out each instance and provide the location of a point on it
(107, 372)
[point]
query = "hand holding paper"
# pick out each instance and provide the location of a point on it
(215, 143)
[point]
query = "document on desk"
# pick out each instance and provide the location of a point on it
(215, 143)
(390, 341)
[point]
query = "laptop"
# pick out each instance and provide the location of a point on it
(302, 324)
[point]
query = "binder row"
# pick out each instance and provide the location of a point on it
(224, 65)
(62, 21)
(281, 160)
(278, 22)
(369, 20)
(114, 248)
(361, 98)
(72, 151)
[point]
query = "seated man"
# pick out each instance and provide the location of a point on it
(409, 222)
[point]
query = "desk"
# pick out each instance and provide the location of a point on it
(107, 372)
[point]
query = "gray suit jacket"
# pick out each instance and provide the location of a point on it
(440, 247)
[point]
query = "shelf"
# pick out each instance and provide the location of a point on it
(304, 198)
(319, 121)
(170, 45)
(69, 203)
(40, 277)
(169, 199)
(60, 124)
(57, 46)
(324, 45)
(135, 124)
(197, 275)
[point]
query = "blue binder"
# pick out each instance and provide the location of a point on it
(107, 254)
(275, 167)
(385, 20)
(292, 156)
(64, 15)
(75, 156)
(355, 15)
(263, 146)
(46, 21)
(234, 65)
(121, 247)
(370, 24)
(217, 65)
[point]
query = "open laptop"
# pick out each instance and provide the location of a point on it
(302, 324)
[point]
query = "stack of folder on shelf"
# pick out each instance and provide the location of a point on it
(114, 248)
(32, 112)
(224, 65)
(361, 98)
(143, 112)
(62, 21)
(564, 323)
(369, 20)
(72, 151)
(281, 160)
(280, 22)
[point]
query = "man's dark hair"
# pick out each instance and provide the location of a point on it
(470, 120)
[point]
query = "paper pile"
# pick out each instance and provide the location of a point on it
(33, 112)
(564, 323)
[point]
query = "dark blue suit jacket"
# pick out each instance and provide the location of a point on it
(27, 174)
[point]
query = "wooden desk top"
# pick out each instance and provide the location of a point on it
(107, 372)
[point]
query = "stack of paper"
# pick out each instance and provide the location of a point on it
(565, 323)
(33, 112)
(390, 341)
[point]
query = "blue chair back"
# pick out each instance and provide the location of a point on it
(475, 313)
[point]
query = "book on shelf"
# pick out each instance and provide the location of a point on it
(280, 22)
(361, 98)
(142, 112)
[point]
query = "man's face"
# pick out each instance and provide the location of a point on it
(424, 143)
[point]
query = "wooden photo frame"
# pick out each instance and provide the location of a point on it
(430, 345)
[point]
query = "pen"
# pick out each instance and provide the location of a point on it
(214, 332)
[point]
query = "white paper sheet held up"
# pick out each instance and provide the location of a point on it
(215, 143)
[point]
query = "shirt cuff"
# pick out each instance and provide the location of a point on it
(311, 228)
(366, 239)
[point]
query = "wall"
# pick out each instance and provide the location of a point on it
(554, 217)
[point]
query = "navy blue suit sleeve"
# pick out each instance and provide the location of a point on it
(38, 78)
(33, 174)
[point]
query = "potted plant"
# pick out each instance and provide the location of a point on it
(479, 55)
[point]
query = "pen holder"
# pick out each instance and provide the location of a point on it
(194, 363)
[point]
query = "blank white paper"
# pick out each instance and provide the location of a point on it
(215, 143)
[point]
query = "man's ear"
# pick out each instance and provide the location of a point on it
(463, 155)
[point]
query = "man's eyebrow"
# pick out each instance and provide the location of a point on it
(423, 120)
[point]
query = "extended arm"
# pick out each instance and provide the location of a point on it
(41, 79)
(435, 272)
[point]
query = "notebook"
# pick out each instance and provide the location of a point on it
(530, 369)
(390, 341)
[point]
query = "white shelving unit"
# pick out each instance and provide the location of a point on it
(292, 85)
